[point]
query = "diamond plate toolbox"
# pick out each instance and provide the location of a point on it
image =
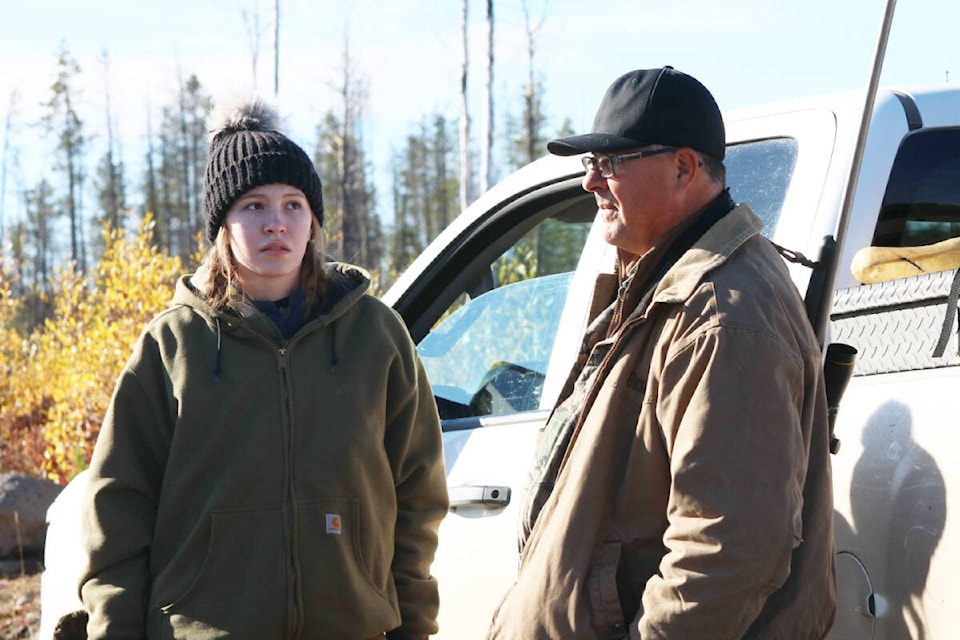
(895, 325)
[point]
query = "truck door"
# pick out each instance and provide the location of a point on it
(498, 319)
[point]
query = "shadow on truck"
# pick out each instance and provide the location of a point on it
(898, 495)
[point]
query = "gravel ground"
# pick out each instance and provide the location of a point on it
(20, 605)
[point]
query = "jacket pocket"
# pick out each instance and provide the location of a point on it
(605, 612)
(344, 594)
(240, 585)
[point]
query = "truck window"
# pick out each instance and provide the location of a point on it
(488, 353)
(922, 202)
(489, 357)
(758, 174)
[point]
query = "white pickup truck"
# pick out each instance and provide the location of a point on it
(498, 303)
(519, 267)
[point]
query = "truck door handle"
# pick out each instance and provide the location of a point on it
(483, 496)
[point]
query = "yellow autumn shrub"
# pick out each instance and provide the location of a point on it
(62, 376)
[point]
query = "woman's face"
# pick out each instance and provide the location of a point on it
(269, 228)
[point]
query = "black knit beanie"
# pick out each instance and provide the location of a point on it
(246, 151)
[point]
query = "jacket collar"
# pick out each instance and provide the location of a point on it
(712, 249)
(348, 284)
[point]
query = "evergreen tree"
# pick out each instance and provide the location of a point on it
(61, 121)
(111, 192)
(41, 212)
(405, 242)
(151, 197)
(445, 185)
(195, 106)
(352, 230)
(178, 185)
(351, 227)
(32, 249)
(425, 190)
(19, 243)
(526, 140)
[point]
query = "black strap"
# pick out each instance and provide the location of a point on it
(948, 317)
(795, 256)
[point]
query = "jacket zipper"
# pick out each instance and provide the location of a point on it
(290, 499)
(289, 505)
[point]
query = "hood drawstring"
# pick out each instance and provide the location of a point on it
(334, 360)
(217, 369)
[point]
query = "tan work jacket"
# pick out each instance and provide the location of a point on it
(695, 498)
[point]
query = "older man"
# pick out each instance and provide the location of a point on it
(682, 484)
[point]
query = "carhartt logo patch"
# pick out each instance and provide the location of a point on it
(636, 383)
(334, 523)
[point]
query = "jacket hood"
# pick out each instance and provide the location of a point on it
(348, 283)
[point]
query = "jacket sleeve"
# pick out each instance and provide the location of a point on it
(120, 504)
(414, 445)
(731, 412)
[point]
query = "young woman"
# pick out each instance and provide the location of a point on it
(271, 463)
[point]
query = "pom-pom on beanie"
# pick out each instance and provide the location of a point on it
(247, 150)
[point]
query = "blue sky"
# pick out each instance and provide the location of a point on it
(408, 53)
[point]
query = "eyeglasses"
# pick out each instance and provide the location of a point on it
(605, 165)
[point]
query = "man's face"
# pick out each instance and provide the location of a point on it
(637, 205)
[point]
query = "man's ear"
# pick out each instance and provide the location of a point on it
(687, 163)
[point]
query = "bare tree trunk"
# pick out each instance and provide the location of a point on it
(532, 116)
(352, 203)
(186, 162)
(3, 170)
(113, 190)
(70, 147)
(81, 227)
(486, 165)
(346, 214)
(276, 47)
(151, 202)
(252, 22)
(464, 117)
(74, 173)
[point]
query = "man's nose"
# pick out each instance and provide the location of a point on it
(592, 180)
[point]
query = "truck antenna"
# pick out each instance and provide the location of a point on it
(819, 302)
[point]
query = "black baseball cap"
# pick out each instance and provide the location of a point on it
(651, 106)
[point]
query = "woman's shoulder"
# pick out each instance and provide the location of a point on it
(373, 308)
(350, 286)
(186, 311)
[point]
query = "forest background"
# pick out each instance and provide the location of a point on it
(410, 111)
(94, 251)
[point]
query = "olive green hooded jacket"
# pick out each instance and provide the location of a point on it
(244, 486)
